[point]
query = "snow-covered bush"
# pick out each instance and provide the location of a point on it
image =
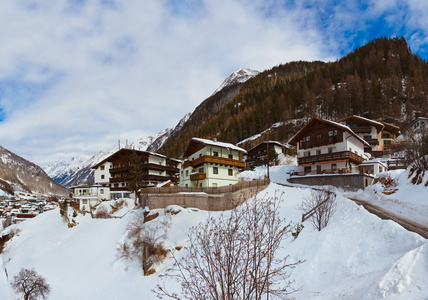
(417, 171)
(144, 244)
(235, 256)
(320, 206)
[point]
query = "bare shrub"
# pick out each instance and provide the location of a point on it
(320, 206)
(235, 256)
(30, 284)
(118, 205)
(102, 213)
(144, 244)
(417, 170)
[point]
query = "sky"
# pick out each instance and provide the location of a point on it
(78, 75)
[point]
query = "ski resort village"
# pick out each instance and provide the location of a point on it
(308, 180)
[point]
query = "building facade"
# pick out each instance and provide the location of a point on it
(211, 164)
(325, 146)
(257, 156)
(156, 169)
(379, 135)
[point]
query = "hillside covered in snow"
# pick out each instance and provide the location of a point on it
(357, 256)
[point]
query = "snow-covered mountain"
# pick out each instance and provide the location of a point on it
(78, 170)
(21, 175)
(239, 76)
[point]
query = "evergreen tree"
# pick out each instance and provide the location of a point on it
(135, 175)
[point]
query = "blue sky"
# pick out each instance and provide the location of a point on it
(75, 75)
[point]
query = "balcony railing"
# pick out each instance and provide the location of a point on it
(318, 142)
(355, 158)
(198, 176)
(214, 159)
(362, 129)
(372, 142)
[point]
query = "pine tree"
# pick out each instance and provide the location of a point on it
(135, 175)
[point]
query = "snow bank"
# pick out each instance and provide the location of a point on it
(357, 256)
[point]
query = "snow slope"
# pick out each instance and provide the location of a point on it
(409, 200)
(238, 76)
(358, 256)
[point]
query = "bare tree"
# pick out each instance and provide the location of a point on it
(236, 256)
(30, 284)
(319, 206)
(144, 244)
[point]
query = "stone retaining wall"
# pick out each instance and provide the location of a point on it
(204, 201)
(350, 182)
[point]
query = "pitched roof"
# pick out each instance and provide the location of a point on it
(295, 139)
(204, 142)
(126, 151)
(374, 123)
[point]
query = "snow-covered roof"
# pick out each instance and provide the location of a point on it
(376, 123)
(336, 124)
(373, 161)
(219, 144)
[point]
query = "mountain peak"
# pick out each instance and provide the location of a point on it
(238, 76)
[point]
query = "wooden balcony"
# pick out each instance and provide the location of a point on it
(215, 160)
(362, 129)
(355, 158)
(318, 142)
(372, 142)
(198, 176)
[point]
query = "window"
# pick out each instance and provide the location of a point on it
(101, 191)
(335, 132)
(318, 152)
(215, 153)
(386, 135)
(102, 176)
(230, 172)
(333, 166)
(102, 167)
(318, 136)
(215, 170)
(331, 149)
(200, 185)
(84, 201)
(231, 156)
(187, 173)
(304, 139)
(200, 154)
(215, 185)
(308, 138)
(330, 133)
(201, 170)
(307, 153)
(307, 169)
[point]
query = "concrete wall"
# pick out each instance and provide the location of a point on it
(210, 202)
(351, 182)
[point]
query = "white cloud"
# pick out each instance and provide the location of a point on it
(132, 68)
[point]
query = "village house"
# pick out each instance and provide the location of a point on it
(418, 126)
(90, 195)
(379, 135)
(325, 146)
(257, 155)
(211, 164)
(116, 168)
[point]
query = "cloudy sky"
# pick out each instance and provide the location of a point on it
(77, 75)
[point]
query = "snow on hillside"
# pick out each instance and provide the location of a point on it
(238, 76)
(357, 256)
(408, 200)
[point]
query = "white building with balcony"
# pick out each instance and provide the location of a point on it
(327, 147)
(211, 164)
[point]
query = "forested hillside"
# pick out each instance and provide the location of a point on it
(381, 80)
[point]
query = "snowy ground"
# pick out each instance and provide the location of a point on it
(409, 200)
(357, 256)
